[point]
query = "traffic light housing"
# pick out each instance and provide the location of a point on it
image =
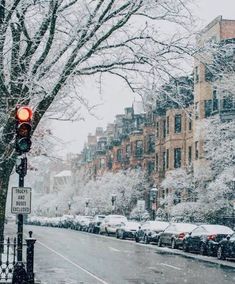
(23, 129)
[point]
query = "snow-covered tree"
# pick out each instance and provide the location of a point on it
(217, 195)
(178, 184)
(128, 186)
(46, 47)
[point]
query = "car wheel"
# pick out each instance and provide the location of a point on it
(123, 236)
(203, 249)
(173, 244)
(185, 247)
(146, 240)
(159, 243)
(137, 239)
(220, 253)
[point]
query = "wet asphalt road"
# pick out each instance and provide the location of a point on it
(70, 257)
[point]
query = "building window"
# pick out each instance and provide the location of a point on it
(164, 128)
(177, 158)
(190, 155)
(157, 129)
(190, 122)
(227, 102)
(208, 108)
(196, 150)
(196, 110)
(178, 123)
(208, 73)
(167, 124)
(150, 168)
(156, 161)
(139, 149)
(215, 100)
(196, 74)
(119, 155)
(128, 151)
(163, 161)
(167, 158)
(151, 143)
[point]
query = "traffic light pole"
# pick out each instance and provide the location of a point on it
(20, 226)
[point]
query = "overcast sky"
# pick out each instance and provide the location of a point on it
(116, 96)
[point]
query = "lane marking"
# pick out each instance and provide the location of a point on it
(171, 266)
(113, 249)
(73, 263)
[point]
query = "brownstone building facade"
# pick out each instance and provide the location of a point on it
(167, 137)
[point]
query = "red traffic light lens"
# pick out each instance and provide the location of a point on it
(24, 129)
(24, 114)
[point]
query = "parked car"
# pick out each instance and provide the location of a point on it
(174, 234)
(150, 230)
(127, 230)
(94, 225)
(66, 221)
(205, 239)
(75, 222)
(226, 247)
(83, 223)
(111, 223)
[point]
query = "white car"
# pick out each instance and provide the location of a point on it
(111, 223)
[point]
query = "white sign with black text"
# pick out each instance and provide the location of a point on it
(141, 205)
(21, 200)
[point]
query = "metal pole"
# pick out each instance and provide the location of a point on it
(20, 227)
(30, 258)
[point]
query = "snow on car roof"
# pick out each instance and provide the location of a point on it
(117, 216)
(185, 227)
(218, 229)
(159, 224)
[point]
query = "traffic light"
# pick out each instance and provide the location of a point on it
(23, 129)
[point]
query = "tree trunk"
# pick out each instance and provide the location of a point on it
(5, 172)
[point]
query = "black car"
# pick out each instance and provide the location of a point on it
(149, 231)
(94, 225)
(205, 239)
(226, 247)
(174, 234)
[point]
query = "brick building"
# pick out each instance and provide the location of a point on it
(169, 136)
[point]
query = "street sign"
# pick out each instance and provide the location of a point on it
(21, 200)
(141, 205)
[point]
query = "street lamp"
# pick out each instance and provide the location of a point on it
(87, 201)
(153, 199)
(69, 205)
(113, 200)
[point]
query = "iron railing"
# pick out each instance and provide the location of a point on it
(7, 260)
(13, 271)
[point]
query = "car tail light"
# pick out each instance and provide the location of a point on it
(181, 235)
(211, 237)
